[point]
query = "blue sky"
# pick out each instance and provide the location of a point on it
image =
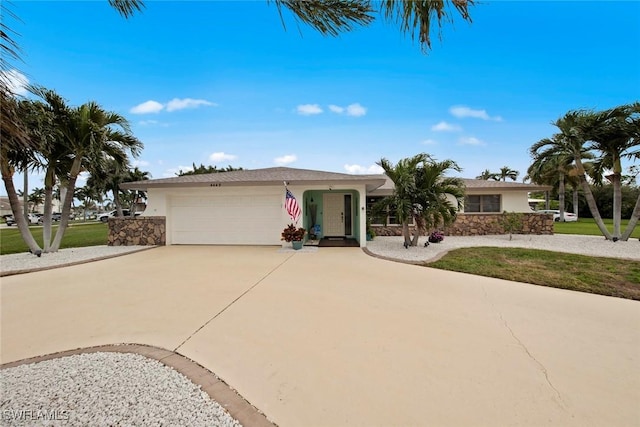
(223, 83)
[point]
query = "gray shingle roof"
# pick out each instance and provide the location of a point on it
(474, 185)
(293, 176)
(268, 176)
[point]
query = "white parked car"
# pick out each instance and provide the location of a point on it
(568, 216)
(105, 216)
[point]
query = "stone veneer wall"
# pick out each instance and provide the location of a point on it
(482, 224)
(144, 231)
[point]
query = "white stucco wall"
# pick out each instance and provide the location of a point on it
(159, 201)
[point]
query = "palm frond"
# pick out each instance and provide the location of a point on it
(127, 8)
(329, 17)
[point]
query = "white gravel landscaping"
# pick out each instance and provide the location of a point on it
(392, 247)
(28, 261)
(105, 389)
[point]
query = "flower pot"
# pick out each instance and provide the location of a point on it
(297, 244)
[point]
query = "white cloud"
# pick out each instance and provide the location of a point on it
(470, 140)
(336, 109)
(356, 110)
(140, 163)
(445, 127)
(429, 142)
(309, 109)
(286, 159)
(221, 157)
(462, 111)
(180, 104)
(175, 104)
(147, 107)
(358, 169)
(15, 81)
(148, 122)
(173, 172)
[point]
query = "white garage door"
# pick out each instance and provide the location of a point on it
(238, 219)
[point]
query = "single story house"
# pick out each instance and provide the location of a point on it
(248, 206)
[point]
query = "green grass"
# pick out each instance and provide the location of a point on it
(603, 276)
(587, 226)
(76, 235)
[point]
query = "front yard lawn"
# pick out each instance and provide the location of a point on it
(76, 235)
(604, 276)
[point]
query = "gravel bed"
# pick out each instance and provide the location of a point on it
(105, 389)
(392, 247)
(28, 261)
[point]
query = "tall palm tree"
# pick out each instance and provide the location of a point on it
(553, 165)
(18, 152)
(92, 135)
(571, 138)
(420, 193)
(615, 133)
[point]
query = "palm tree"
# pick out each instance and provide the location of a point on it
(36, 198)
(506, 172)
(18, 152)
(487, 175)
(136, 175)
(574, 127)
(552, 165)
(420, 193)
(434, 206)
(615, 133)
(92, 135)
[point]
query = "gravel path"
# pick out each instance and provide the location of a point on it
(391, 247)
(105, 389)
(13, 263)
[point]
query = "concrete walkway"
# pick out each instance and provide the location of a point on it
(336, 337)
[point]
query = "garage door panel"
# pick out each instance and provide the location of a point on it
(226, 219)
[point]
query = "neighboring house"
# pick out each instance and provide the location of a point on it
(247, 206)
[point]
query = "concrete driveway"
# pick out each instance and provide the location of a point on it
(337, 338)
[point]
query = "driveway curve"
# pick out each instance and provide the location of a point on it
(334, 337)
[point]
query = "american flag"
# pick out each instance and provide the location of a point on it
(292, 207)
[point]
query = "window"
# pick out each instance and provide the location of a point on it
(484, 203)
(385, 219)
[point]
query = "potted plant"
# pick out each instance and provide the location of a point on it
(370, 233)
(436, 237)
(293, 235)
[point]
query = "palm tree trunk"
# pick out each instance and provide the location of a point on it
(575, 200)
(632, 222)
(593, 207)
(25, 195)
(547, 202)
(405, 233)
(617, 204)
(21, 221)
(66, 204)
(49, 181)
(561, 196)
(591, 202)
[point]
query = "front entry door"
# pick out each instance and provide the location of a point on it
(333, 215)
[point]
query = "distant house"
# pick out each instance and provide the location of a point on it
(246, 207)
